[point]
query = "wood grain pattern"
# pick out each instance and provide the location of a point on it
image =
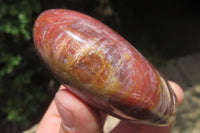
(102, 68)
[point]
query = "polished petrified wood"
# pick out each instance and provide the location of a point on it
(102, 68)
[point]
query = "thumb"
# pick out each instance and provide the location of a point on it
(77, 117)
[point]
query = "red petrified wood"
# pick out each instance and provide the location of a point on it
(102, 68)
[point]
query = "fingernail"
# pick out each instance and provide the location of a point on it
(68, 119)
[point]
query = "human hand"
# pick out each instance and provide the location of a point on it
(68, 114)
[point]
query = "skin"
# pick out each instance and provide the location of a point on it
(68, 114)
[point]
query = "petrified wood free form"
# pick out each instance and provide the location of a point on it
(102, 68)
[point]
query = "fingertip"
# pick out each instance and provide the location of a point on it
(76, 115)
(178, 91)
(62, 87)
